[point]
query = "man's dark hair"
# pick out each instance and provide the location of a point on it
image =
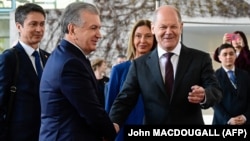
(23, 10)
(224, 46)
(121, 56)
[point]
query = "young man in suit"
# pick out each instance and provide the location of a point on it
(234, 108)
(25, 119)
(195, 85)
(70, 99)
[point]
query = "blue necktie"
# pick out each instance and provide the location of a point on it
(232, 77)
(169, 73)
(39, 68)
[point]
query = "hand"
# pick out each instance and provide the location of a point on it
(238, 120)
(197, 95)
(226, 38)
(117, 128)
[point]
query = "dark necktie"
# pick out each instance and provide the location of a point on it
(38, 65)
(169, 73)
(232, 77)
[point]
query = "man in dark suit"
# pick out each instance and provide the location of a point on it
(25, 119)
(70, 100)
(234, 108)
(195, 85)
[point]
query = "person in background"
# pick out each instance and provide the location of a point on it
(239, 41)
(99, 67)
(70, 101)
(141, 41)
(120, 59)
(194, 85)
(234, 108)
(25, 115)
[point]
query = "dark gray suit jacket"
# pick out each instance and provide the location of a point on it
(25, 122)
(144, 77)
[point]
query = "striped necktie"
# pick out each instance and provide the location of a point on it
(232, 77)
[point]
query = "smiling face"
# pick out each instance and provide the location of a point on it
(167, 27)
(32, 30)
(87, 35)
(143, 40)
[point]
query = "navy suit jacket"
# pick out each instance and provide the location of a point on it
(144, 77)
(25, 122)
(235, 101)
(70, 102)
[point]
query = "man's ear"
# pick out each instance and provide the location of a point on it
(18, 26)
(71, 29)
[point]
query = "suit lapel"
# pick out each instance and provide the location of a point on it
(185, 59)
(44, 56)
(25, 62)
(153, 65)
(226, 80)
(238, 77)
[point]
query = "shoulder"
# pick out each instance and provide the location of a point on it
(219, 71)
(194, 51)
(105, 78)
(8, 53)
(242, 71)
(146, 57)
(122, 66)
(44, 52)
(195, 54)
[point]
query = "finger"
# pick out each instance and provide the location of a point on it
(195, 87)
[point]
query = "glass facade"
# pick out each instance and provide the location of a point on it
(5, 33)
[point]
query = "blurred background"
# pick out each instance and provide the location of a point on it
(205, 23)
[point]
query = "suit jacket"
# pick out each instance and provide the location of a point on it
(144, 77)
(25, 122)
(235, 101)
(117, 78)
(70, 102)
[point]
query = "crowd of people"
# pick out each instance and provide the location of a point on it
(160, 81)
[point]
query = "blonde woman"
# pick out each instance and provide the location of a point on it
(141, 41)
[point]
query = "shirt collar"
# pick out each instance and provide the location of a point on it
(176, 50)
(233, 69)
(87, 56)
(28, 49)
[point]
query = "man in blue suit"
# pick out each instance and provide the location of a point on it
(234, 108)
(25, 120)
(70, 100)
(195, 85)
